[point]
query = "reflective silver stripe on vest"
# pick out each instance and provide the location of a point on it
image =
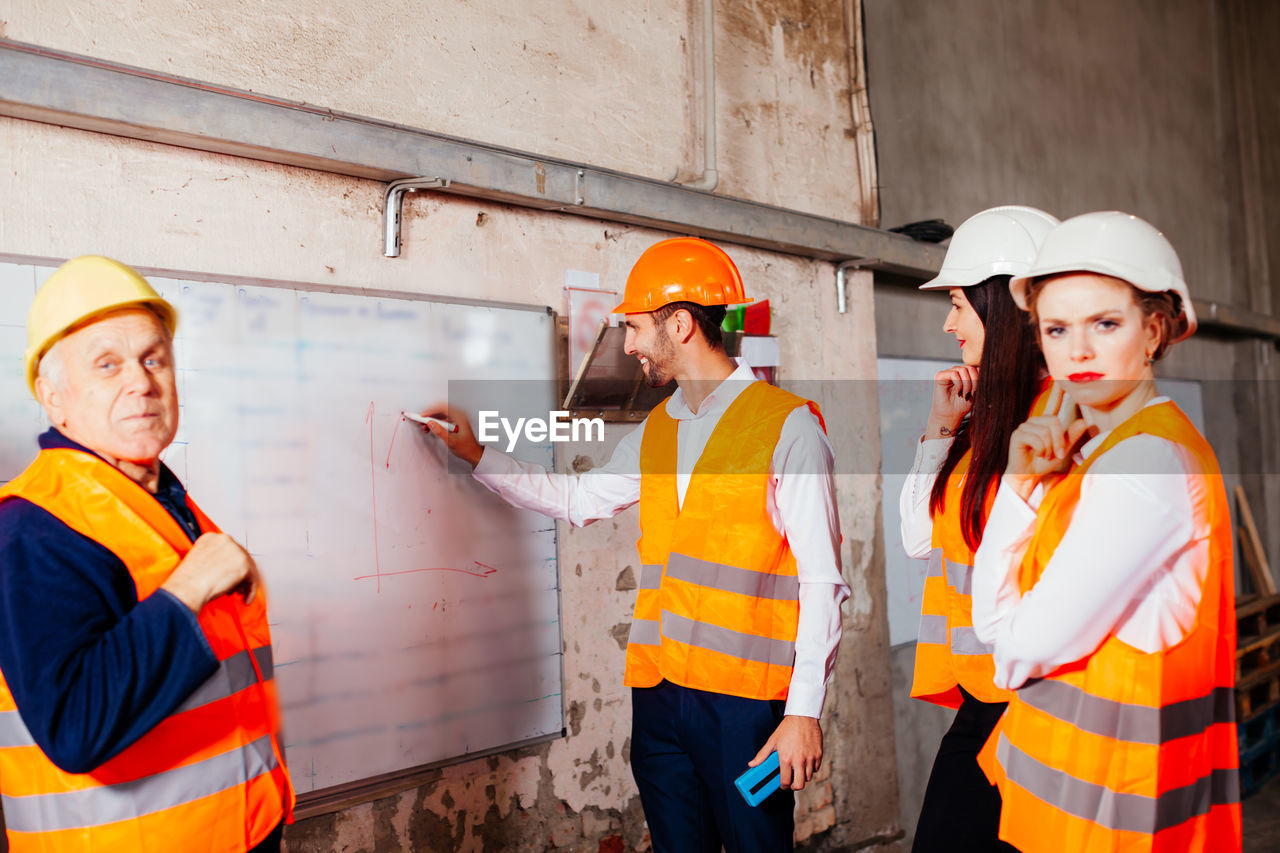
(1127, 722)
(110, 803)
(651, 576)
(933, 629)
(964, 641)
(733, 579)
(960, 577)
(13, 731)
(1111, 809)
(645, 632)
(734, 643)
(233, 675)
(935, 564)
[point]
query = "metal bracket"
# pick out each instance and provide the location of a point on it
(392, 204)
(842, 302)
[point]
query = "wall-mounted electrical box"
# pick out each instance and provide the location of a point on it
(610, 384)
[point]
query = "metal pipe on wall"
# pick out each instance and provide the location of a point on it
(392, 202)
(864, 136)
(38, 84)
(710, 176)
(842, 284)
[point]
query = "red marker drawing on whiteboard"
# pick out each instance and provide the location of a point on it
(447, 426)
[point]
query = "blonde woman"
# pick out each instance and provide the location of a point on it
(1104, 580)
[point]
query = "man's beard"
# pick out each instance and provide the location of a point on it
(657, 376)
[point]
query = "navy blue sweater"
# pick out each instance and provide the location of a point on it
(90, 667)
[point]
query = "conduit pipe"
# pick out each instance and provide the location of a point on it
(842, 296)
(392, 203)
(39, 84)
(710, 177)
(860, 114)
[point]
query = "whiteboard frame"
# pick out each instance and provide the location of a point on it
(290, 284)
(338, 797)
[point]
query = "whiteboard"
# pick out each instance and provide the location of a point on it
(905, 390)
(414, 615)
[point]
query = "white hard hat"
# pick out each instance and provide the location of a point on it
(1116, 244)
(998, 241)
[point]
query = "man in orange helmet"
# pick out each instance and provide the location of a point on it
(737, 616)
(137, 707)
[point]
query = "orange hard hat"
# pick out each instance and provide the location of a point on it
(682, 269)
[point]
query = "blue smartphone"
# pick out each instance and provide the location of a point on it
(760, 781)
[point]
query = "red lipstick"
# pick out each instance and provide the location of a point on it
(1084, 377)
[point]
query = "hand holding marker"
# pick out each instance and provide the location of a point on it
(426, 420)
(451, 426)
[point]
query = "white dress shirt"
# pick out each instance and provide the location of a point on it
(916, 524)
(1132, 562)
(801, 502)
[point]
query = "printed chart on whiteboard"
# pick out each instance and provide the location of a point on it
(415, 615)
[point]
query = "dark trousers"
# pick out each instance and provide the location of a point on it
(961, 811)
(270, 844)
(687, 747)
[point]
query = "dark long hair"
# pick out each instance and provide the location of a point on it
(1008, 379)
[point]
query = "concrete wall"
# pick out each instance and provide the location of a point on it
(560, 79)
(1164, 109)
(164, 207)
(1070, 107)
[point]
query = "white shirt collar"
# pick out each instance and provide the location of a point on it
(719, 399)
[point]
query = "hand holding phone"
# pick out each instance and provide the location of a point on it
(760, 781)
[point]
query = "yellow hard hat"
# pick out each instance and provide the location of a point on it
(682, 269)
(79, 290)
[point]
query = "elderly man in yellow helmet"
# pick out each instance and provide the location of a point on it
(737, 616)
(137, 707)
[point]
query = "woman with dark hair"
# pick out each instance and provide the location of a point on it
(944, 504)
(1104, 581)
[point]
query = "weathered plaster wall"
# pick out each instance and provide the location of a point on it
(1169, 110)
(68, 192)
(611, 84)
(561, 81)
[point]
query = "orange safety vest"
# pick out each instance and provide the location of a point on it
(948, 652)
(719, 597)
(1123, 749)
(210, 776)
